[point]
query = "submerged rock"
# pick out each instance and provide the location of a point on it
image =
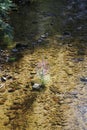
(14, 50)
(78, 60)
(83, 79)
(66, 34)
(3, 78)
(21, 45)
(37, 86)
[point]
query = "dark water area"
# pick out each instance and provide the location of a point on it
(65, 18)
(38, 18)
(34, 23)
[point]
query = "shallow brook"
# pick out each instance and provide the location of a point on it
(53, 35)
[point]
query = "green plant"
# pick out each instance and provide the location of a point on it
(5, 28)
(42, 72)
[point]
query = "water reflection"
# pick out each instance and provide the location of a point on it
(41, 17)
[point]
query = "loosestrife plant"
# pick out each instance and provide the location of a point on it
(42, 71)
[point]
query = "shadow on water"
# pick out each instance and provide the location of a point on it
(67, 19)
(36, 19)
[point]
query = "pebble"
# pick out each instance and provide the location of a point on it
(36, 86)
(14, 50)
(3, 79)
(78, 59)
(33, 73)
(74, 92)
(40, 40)
(43, 36)
(67, 34)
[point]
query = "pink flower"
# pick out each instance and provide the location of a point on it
(42, 67)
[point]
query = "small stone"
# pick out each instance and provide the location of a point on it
(67, 33)
(39, 40)
(3, 79)
(61, 102)
(43, 36)
(78, 60)
(74, 92)
(14, 50)
(36, 86)
(33, 73)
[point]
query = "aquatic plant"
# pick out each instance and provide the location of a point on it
(43, 72)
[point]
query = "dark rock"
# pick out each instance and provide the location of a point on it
(66, 33)
(3, 79)
(9, 77)
(78, 59)
(83, 79)
(20, 45)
